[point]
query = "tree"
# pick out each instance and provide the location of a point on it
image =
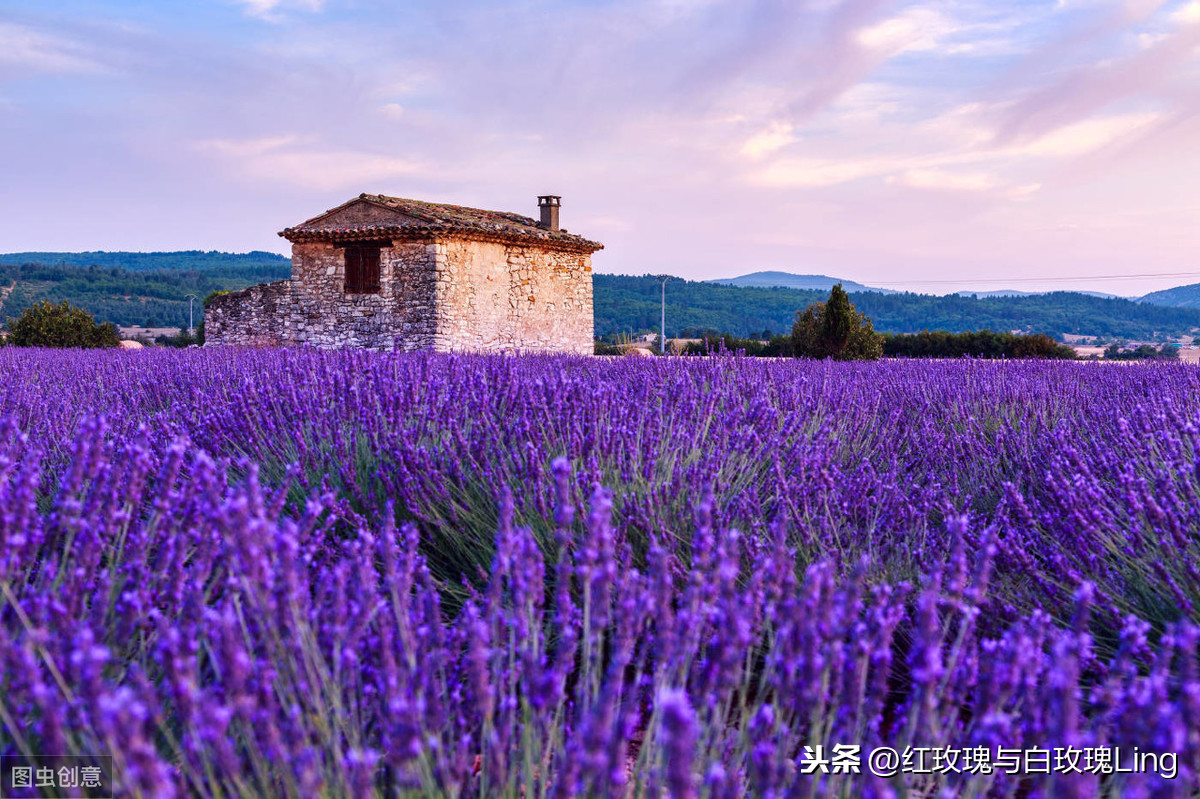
(839, 321)
(62, 325)
(835, 329)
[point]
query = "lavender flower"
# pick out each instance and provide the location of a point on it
(293, 573)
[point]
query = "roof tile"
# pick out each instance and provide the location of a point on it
(439, 218)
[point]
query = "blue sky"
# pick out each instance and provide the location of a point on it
(923, 145)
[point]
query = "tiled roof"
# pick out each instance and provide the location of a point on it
(434, 219)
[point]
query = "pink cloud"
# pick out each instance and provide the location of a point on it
(1089, 89)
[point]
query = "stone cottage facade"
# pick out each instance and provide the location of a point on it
(387, 273)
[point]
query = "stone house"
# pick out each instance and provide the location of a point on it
(386, 273)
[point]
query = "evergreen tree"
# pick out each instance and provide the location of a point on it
(839, 321)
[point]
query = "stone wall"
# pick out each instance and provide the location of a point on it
(399, 317)
(498, 297)
(446, 294)
(248, 317)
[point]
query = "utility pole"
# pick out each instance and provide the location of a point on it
(663, 329)
(191, 317)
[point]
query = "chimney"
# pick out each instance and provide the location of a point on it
(549, 204)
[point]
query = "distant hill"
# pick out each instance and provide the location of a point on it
(149, 261)
(1015, 293)
(789, 280)
(794, 281)
(628, 304)
(997, 293)
(1179, 297)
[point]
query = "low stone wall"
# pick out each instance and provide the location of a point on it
(249, 317)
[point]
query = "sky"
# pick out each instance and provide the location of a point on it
(924, 146)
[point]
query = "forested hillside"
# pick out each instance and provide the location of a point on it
(151, 289)
(152, 261)
(626, 304)
(1180, 296)
(151, 298)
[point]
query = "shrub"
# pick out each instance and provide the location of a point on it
(180, 340)
(212, 295)
(976, 343)
(601, 348)
(612, 345)
(774, 346)
(1141, 352)
(62, 326)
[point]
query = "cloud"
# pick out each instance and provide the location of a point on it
(290, 160)
(841, 61)
(1087, 136)
(269, 9)
(969, 132)
(392, 110)
(1089, 88)
(968, 182)
(942, 180)
(819, 172)
(28, 49)
(1188, 14)
(956, 152)
(928, 173)
(774, 137)
(919, 29)
(247, 148)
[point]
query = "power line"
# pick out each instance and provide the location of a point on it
(1073, 278)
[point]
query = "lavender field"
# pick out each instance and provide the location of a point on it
(300, 573)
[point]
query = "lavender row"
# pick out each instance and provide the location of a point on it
(218, 638)
(1085, 471)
